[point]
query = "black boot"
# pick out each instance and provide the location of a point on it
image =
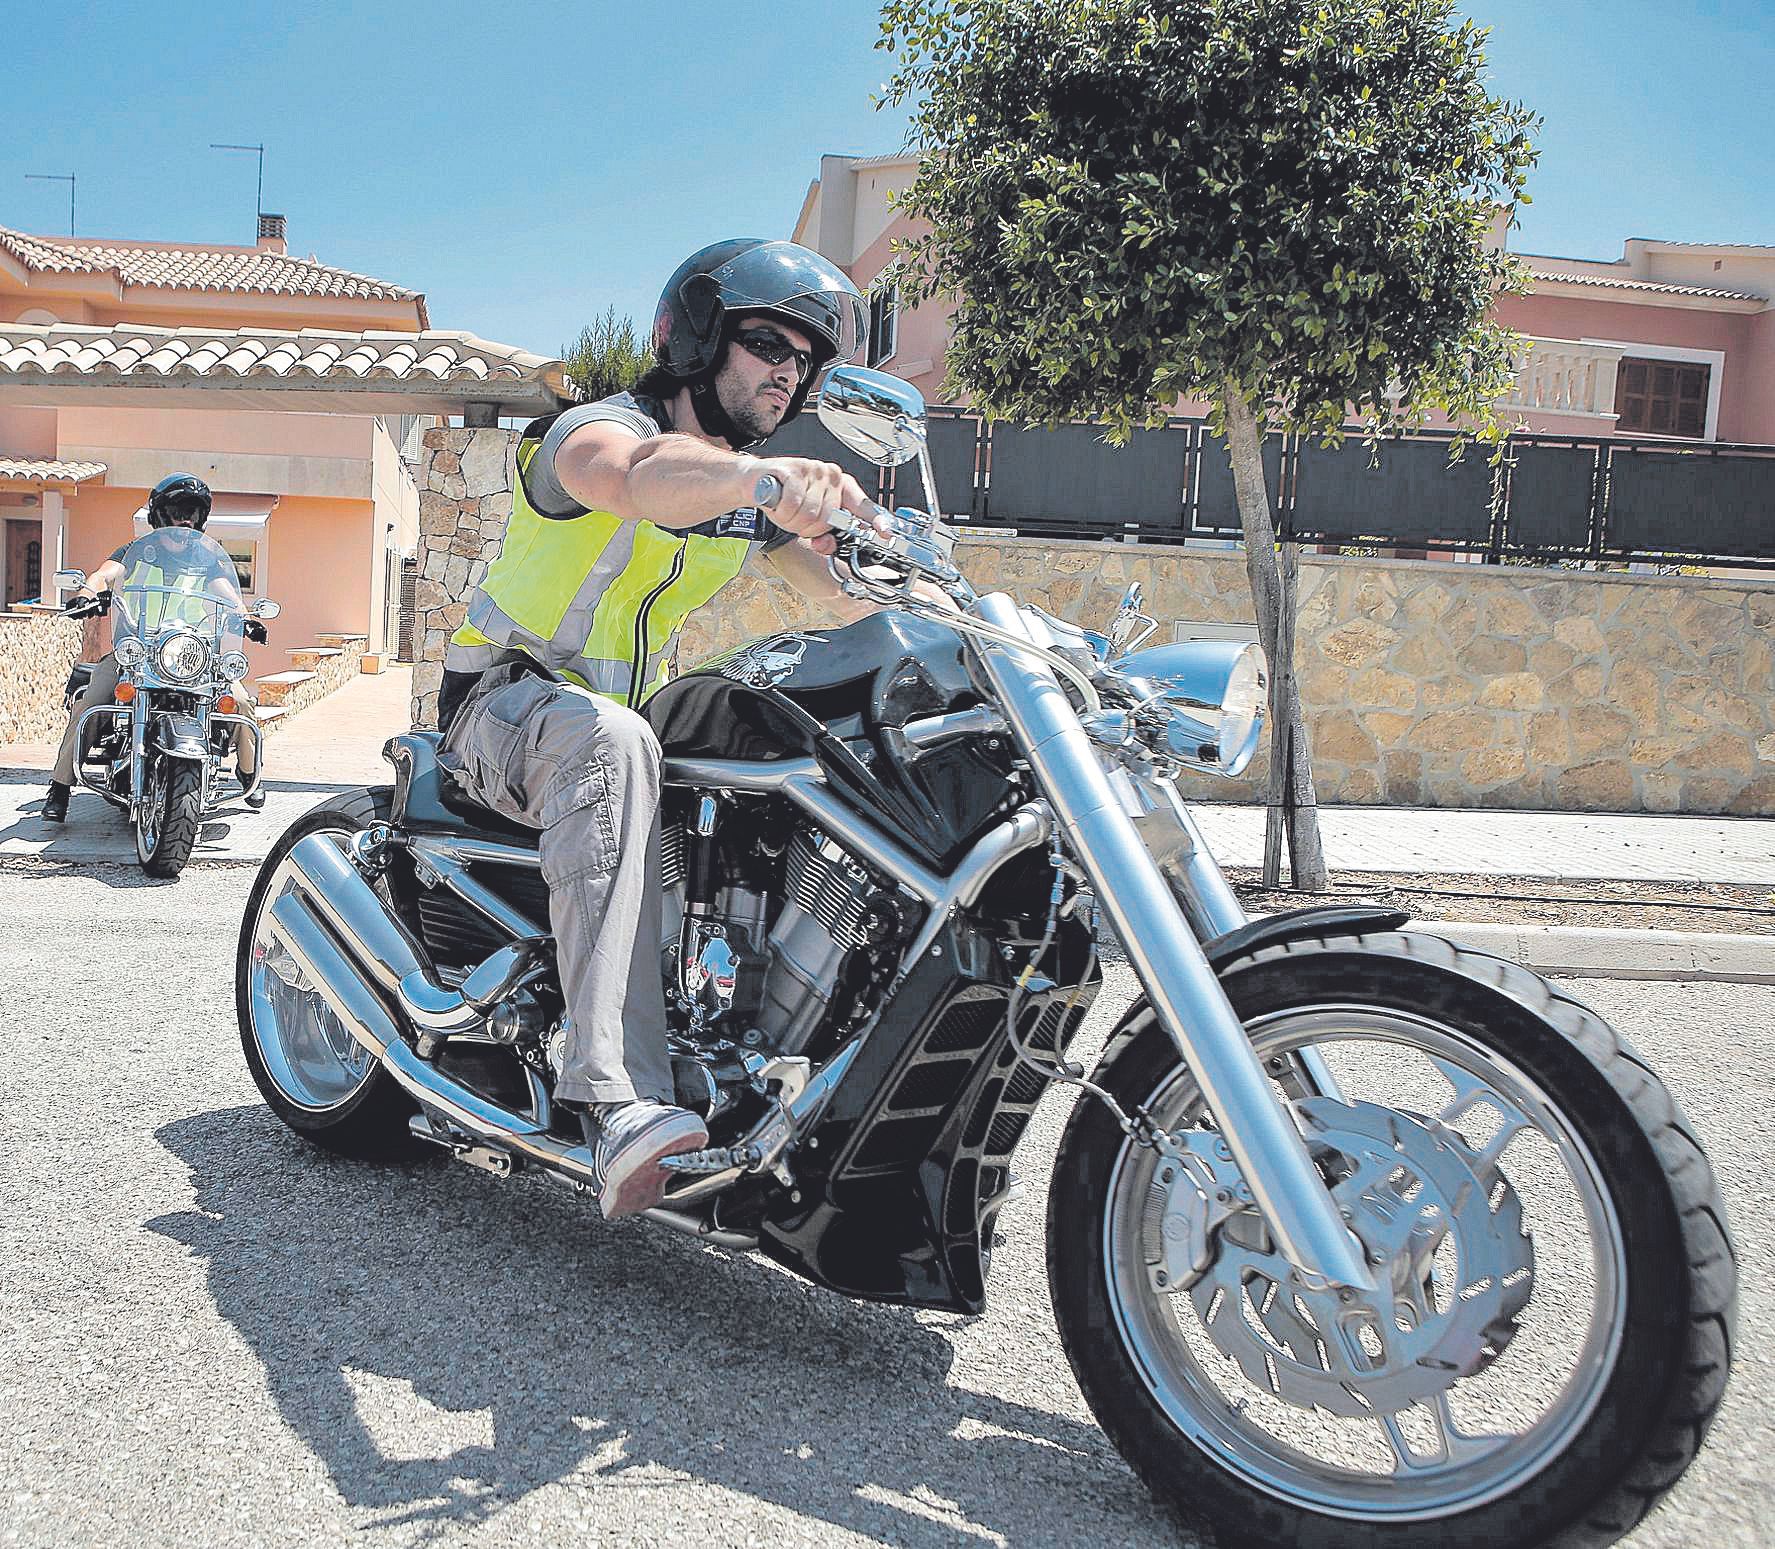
(55, 804)
(255, 798)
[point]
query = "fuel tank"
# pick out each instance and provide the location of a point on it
(841, 696)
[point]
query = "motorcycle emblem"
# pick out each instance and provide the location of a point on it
(765, 663)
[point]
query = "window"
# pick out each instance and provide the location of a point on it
(245, 554)
(1662, 397)
(884, 322)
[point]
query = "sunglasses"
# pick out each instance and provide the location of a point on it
(773, 349)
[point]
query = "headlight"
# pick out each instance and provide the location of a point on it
(234, 666)
(182, 657)
(1205, 701)
(130, 652)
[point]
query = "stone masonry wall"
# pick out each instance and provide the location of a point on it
(36, 652)
(1443, 685)
(465, 501)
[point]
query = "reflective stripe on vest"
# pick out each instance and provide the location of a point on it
(594, 598)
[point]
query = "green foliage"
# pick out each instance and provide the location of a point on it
(1136, 199)
(607, 357)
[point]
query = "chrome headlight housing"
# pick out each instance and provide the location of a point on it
(1201, 702)
(181, 657)
(234, 666)
(130, 652)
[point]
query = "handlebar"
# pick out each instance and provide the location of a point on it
(87, 607)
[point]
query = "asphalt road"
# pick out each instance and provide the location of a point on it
(212, 1335)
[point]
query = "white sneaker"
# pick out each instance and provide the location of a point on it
(633, 1139)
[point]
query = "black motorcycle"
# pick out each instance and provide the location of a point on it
(1354, 1237)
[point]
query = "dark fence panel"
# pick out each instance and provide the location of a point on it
(954, 442)
(1552, 496)
(1700, 503)
(1071, 476)
(1215, 509)
(1398, 492)
(805, 436)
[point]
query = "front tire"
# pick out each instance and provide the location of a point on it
(166, 822)
(312, 1073)
(1614, 1411)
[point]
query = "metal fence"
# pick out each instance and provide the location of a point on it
(1553, 497)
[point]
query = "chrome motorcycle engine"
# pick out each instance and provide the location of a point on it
(757, 961)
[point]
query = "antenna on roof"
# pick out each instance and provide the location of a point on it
(58, 177)
(259, 198)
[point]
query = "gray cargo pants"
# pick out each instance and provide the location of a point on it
(586, 771)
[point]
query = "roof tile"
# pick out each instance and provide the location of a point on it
(48, 469)
(197, 267)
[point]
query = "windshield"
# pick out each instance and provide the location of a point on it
(176, 578)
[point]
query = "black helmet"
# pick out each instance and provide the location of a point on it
(179, 491)
(751, 275)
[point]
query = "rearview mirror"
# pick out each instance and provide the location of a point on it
(265, 608)
(876, 415)
(69, 580)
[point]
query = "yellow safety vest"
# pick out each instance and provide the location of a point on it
(592, 597)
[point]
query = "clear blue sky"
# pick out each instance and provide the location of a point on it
(527, 165)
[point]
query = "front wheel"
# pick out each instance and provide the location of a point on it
(167, 819)
(1553, 1331)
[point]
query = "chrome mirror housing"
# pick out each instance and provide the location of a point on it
(265, 608)
(876, 415)
(68, 580)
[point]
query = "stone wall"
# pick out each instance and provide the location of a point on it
(1446, 685)
(465, 500)
(36, 652)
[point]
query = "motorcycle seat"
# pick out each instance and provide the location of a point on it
(426, 795)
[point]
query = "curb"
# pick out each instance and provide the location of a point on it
(1597, 952)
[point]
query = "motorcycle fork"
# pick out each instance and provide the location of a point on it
(1181, 985)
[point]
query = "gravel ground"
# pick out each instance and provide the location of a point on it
(210, 1334)
(1618, 905)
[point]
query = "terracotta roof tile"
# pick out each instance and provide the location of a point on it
(48, 470)
(197, 267)
(434, 362)
(1608, 282)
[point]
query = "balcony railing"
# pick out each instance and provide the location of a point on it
(1563, 376)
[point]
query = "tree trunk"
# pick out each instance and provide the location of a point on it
(1290, 753)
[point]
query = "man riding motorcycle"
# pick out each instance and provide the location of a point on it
(628, 513)
(178, 500)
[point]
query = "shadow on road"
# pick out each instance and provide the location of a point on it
(613, 1352)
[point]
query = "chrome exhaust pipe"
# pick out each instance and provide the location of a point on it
(353, 999)
(336, 892)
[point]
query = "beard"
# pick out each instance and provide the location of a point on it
(756, 416)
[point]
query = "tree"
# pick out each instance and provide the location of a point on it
(1275, 206)
(607, 357)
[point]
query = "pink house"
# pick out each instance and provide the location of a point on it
(296, 389)
(1675, 339)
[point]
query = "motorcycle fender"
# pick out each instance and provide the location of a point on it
(1226, 950)
(180, 736)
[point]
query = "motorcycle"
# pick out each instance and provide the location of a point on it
(158, 750)
(1355, 1237)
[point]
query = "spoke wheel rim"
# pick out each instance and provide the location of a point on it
(307, 1051)
(153, 804)
(1228, 1424)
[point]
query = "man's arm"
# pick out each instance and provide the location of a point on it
(806, 570)
(102, 579)
(678, 481)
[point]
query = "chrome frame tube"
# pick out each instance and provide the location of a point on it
(447, 858)
(1185, 994)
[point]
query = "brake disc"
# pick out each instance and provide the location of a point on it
(1446, 1241)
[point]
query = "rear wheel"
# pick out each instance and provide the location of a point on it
(167, 819)
(314, 1075)
(1553, 1333)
